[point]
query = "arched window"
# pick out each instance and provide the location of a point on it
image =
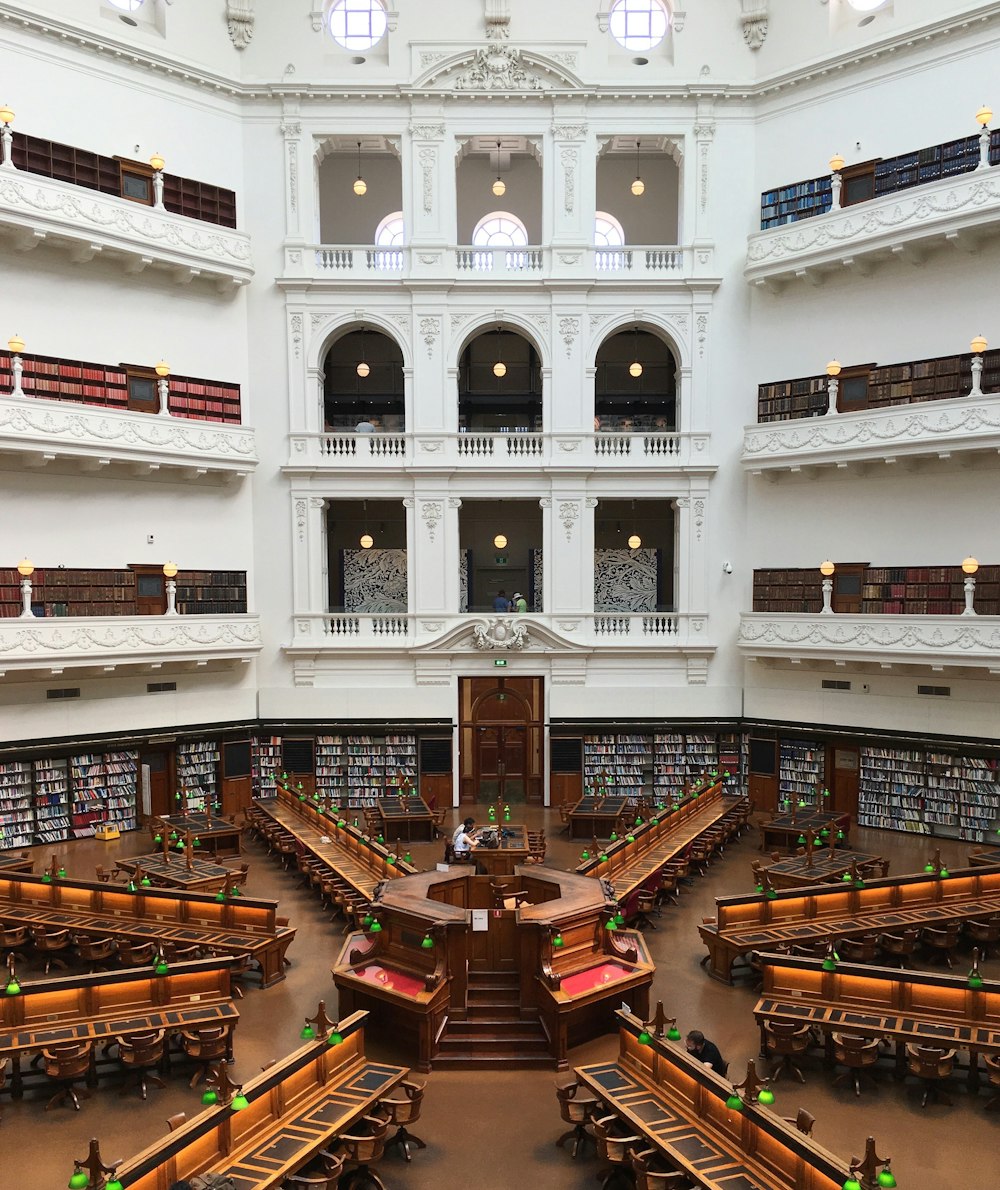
(358, 24)
(500, 229)
(638, 24)
(126, 5)
(608, 232)
(389, 233)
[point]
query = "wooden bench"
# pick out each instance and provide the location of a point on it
(678, 1107)
(908, 1006)
(238, 925)
(803, 916)
(295, 1109)
(102, 1006)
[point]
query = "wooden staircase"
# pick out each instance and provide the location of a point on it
(493, 1035)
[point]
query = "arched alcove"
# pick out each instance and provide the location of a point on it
(499, 384)
(363, 383)
(635, 383)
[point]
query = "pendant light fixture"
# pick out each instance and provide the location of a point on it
(499, 368)
(635, 368)
(499, 189)
(360, 185)
(363, 368)
(500, 541)
(638, 186)
(634, 540)
(367, 541)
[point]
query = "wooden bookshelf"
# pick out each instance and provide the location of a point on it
(874, 386)
(800, 773)
(117, 176)
(211, 592)
(198, 774)
(61, 592)
(885, 590)
(799, 200)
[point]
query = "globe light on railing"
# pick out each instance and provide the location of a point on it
(833, 385)
(15, 345)
(826, 569)
(170, 574)
(6, 136)
(7, 114)
(833, 368)
(969, 567)
(162, 370)
(157, 163)
(836, 163)
(25, 569)
(978, 346)
(983, 117)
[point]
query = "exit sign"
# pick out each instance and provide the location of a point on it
(500, 662)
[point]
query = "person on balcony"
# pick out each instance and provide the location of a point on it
(519, 604)
(501, 603)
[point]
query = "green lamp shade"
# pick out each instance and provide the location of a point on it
(610, 924)
(114, 1184)
(62, 872)
(235, 891)
(677, 805)
(180, 844)
(846, 877)
(240, 1102)
(145, 882)
(770, 894)
(79, 1180)
(220, 896)
(376, 927)
(638, 822)
(840, 834)
(802, 839)
(630, 838)
(557, 941)
(173, 836)
(367, 920)
(209, 1098)
(852, 1183)
(929, 868)
(308, 1033)
(944, 873)
(859, 883)
(161, 968)
(829, 965)
(613, 836)
(584, 854)
(341, 822)
(604, 858)
(407, 858)
(766, 1097)
(46, 878)
(645, 1038)
(380, 838)
(131, 886)
(886, 1178)
(975, 982)
(734, 1102)
(336, 1039)
(157, 838)
(197, 842)
(619, 919)
(825, 832)
(13, 988)
(654, 822)
(758, 888)
(673, 1033)
(428, 942)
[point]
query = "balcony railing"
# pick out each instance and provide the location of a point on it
(85, 223)
(105, 643)
(904, 225)
(653, 450)
(937, 641)
(457, 633)
(936, 430)
(466, 262)
(40, 431)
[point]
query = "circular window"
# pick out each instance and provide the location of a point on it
(126, 5)
(357, 24)
(638, 24)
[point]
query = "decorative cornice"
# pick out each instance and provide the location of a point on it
(40, 207)
(59, 428)
(833, 239)
(931, 428)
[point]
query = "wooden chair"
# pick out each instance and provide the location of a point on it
(992, 1062)
(645, 904)
(941, 943)
(16, 939)
(204, 1046)
(327, 1177)
(51, 945)
(786, 1040)
(652, 1174)
(136, 954)
(537, 847)
(240, 878)
(361, 1150)
(174, 1122)
(859, 950)
(614, 1147)
(140, 1053)
(181, 954)
(802, 1120)
(898, 947)
(564, 817)
(578, 1108)
(984, 933)
(857, 1054)
(68, 1064)
(107, 877)
(932, 1066)
(402, 1112)
(440, 817)
(505, 897)
(95, 951)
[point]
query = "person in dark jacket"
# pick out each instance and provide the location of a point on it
(705, 1051)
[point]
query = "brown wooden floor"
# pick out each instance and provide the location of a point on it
(495, 1131)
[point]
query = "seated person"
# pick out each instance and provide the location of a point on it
(463, 840)
(707, 1052)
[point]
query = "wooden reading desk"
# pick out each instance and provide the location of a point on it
(678, 1106)
(218, 835)
(176, 870)
(242, 925)
(295, 1108)
(824, 865)
(18, 862)
(108, 1004)
(984, 857)
(808, 915)
(596, 816)
(785, 830)
(406, 816)
(502, 860)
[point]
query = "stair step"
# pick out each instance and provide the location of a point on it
(502, 1026)
(493, 1062)
(514, 1046)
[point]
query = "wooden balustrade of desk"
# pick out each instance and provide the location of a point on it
(909, 1006)
(102, 1006)
(295, 1108)
(242, 925)
(678, 1106)
(800, 916)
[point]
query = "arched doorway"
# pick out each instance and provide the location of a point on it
(501, 734)
(363, 383)
(635, 384)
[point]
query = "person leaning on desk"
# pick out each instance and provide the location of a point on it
(463, 840)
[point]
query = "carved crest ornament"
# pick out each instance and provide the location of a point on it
(499, 633)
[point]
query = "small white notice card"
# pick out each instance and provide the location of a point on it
(480, 921)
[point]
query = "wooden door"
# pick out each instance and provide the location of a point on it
(762, 782)
(843, 771)
(235, 785)
(500, 740)
(150, 590)
(160, 763)
(847, 583)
